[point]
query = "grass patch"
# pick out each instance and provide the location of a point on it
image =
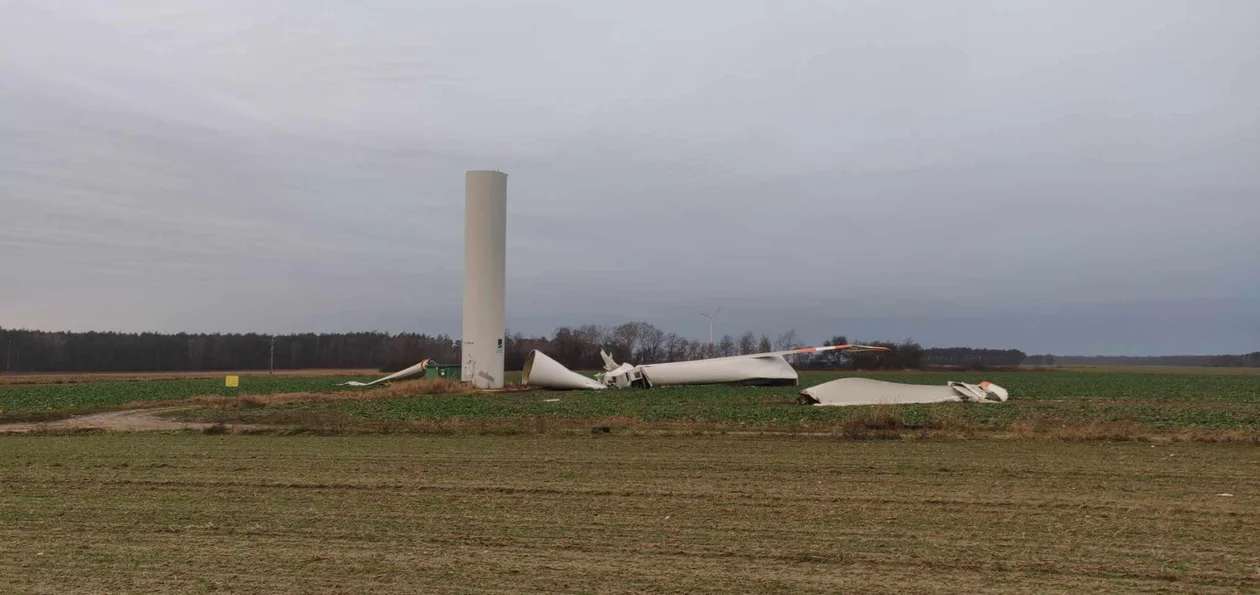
(82, 397)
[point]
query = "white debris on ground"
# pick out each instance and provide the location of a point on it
(864, 391)
(756, 369)
(543, 372)
(404, 373)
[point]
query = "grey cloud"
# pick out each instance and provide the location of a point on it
(1068, 177)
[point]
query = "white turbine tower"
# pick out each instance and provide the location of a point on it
(485, 241)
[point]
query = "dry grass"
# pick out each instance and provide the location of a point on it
(413, 388)
(427, 386)
(609, 514)
(880, 422)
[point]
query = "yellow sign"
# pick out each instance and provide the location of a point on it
(232, 381)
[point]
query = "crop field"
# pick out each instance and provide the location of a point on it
(179, 513)
(81, 396)
(1148, 485)
(1106, 402)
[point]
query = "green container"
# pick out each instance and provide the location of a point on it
(447, 371)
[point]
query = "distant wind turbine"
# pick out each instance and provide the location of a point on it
(710, 317)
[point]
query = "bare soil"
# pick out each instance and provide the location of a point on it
(184, 512)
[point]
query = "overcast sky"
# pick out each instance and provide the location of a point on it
(1054, 176)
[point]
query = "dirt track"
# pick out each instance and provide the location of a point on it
(135, 420)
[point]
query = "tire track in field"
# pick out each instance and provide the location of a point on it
(133, 420)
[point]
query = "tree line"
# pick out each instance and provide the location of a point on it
(642, 343)
(1247, 360)
(577, 347)
(39, 351)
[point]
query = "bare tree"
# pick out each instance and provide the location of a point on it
(835, 359)
(747, 343)
(727, 346)
(764, 346)
(624, 338)
(787, 341)
(909, 354)
(650, 340)
(675, 348)
(593, 337)
(697, 350)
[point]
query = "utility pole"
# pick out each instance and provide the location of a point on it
(273, 355)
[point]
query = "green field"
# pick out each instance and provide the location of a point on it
(1160, 401)
(1152, 401)
(104, 395)
(180, 513)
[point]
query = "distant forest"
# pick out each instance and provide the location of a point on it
(1251, 360)
(576, 347)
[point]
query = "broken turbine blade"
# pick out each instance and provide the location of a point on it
(543, 372)
(404, 373)
(864, 391)
(765, 369)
